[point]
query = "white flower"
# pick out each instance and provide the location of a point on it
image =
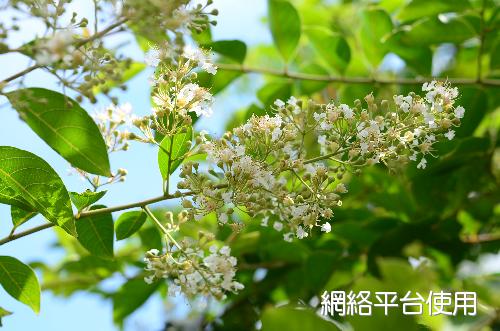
(450, 134)
(348, 113)
(278, 226)
(152, 57)
(459, 112)
(422, 164)
(227, 196)
(288, 236)
(416, 263)
(301, 233)
(326, 227)
(209, 67)
(149, 279)
(223, 218)
(275, 134)
(279, 103)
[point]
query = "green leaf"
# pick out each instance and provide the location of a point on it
(375, 25)
(425, 8)
(233, 49)
(475, 102)
(3, 313)
(419, 58)
(64, 126)
(96, 233)
(290, 319)
(20, 281)
(218, 82)
(285, 27)
(28, 182)
(310, 86)
(495, 56)
(20, 216)
(272, 91)
(332, 47)
(133, 294)
(437, 30)
(85, 199)
(177, 146)
(129, 223)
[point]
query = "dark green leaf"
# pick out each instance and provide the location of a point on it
(129, 223)
(233, 49)
(28, 182)
(218, 82)
(437, 30)
(85, 199)
(495, 56)
(65, 126)
(272, 91)
(133, 294)
(177, 146)
(425, 8)
(20, 216)
(290, 319)
(285, 27)
(96, 233)
(376, 24)
(475, 102)
(20, 281)
(333, 48)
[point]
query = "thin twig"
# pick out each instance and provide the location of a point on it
(101, 211)
(353, 80)
(77, 45)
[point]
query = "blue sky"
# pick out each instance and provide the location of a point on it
(238, 19)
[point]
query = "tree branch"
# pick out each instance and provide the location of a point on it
(100, 211)
(352, 80)
(77, 45)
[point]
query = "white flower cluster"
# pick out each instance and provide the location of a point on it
(55, 48)
(368, 136)
(192, 272)
(175, 15)
(175, 94)
(111, 121)
(264, 170)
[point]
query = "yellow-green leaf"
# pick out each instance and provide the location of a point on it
(20, 281)
(64, 126)
(28, 182)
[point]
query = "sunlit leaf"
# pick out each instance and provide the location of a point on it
(424, 8)
(129, 223)
(65, 126)
(233, 49)
(20, 216)
(96, 233)
(332, 47)
(85, 199)
(20, 282)
(28, 182)
(376, 24)
(285, 26)
(172, 150)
